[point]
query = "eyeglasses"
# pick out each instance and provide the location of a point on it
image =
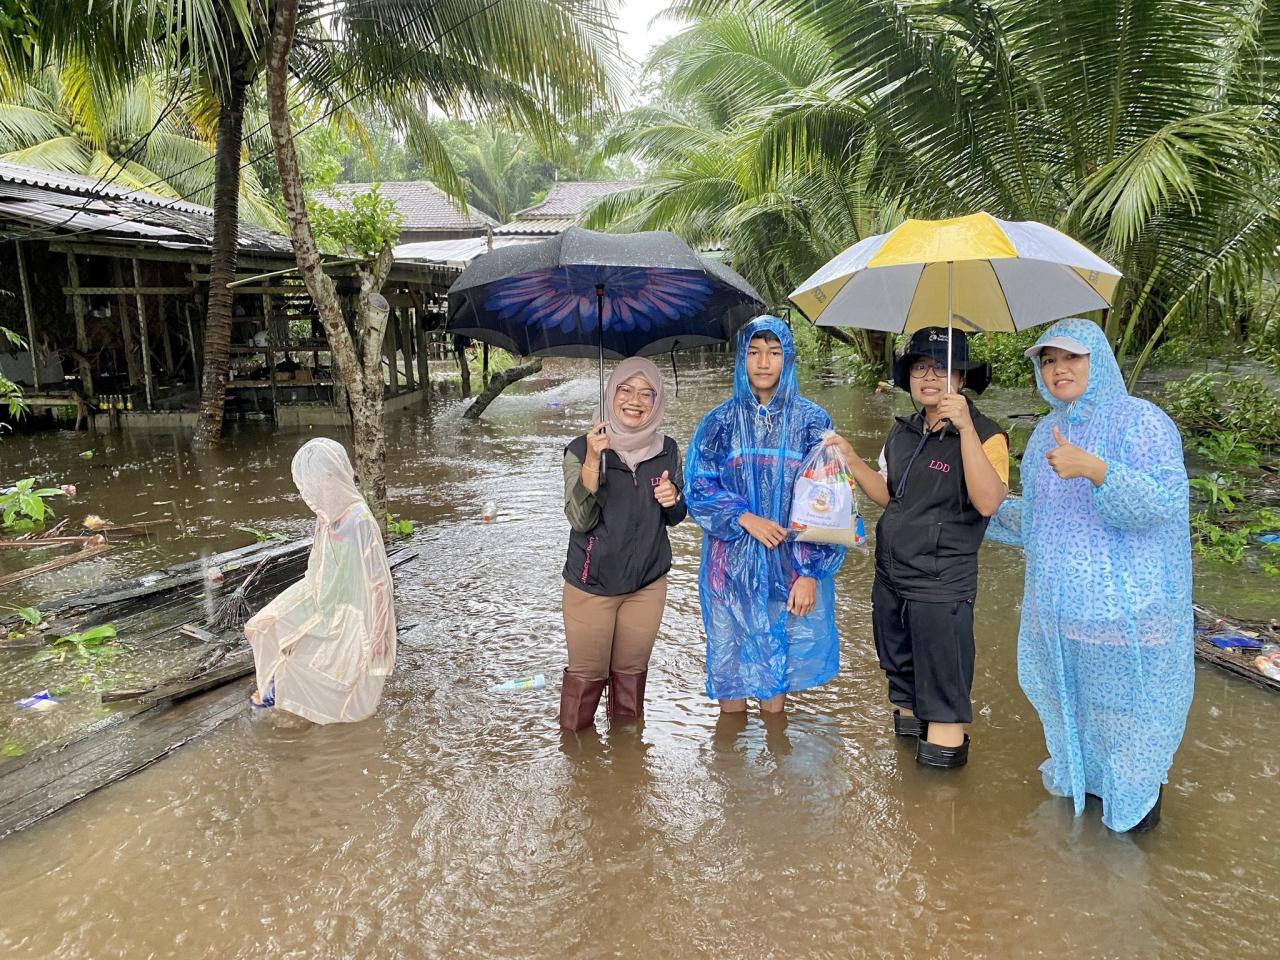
(644, 394)
(922, 367)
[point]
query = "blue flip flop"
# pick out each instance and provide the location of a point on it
(268, 699)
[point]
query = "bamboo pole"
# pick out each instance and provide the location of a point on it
(144, 337)
(31, 317)
(82, 337)
(84, 554)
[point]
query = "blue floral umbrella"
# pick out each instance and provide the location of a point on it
(589, 294)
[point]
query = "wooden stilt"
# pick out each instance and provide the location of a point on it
(389, 351)
(406, 347)
(31, 316)
(82, 336)
(271, 356)
(126, 328)
(144, 339)
(165, 339)
(424, 358)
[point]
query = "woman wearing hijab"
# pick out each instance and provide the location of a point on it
(1105, 650)
(768, 602)
(621, 493)
(324, 647)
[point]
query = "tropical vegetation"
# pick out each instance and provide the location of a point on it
(789, 129)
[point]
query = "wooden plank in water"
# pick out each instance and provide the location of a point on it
(54, 780)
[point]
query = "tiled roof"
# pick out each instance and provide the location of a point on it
(572, 198)
(46, 203)
(423, 205)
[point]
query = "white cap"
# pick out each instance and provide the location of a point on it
(1068, 344)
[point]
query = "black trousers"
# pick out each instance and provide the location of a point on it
(926, 650)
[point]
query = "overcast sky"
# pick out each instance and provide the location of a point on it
(637, 37)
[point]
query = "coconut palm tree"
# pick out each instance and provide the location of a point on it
(150, 133)
(1145, 130)
(723, 78)
(522, 61)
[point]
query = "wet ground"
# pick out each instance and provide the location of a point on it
(458, 822)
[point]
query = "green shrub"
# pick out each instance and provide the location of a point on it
(1251, 411)
(1009, 368)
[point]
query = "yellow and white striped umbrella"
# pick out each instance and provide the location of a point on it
(985, 274)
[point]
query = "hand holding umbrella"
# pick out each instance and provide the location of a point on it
(592, 467)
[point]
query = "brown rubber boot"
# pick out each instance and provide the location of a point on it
(626, 695)
(578, 701)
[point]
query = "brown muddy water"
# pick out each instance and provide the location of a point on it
(459, 823)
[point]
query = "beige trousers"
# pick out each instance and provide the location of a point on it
(612, 634)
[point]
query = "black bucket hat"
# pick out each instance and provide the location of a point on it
(931, 343)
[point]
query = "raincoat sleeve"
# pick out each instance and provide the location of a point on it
(1006, 525)
(815, 560)
(580, 504)
(1146, 484)
(713, 506)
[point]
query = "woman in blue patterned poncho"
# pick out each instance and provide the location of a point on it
(1105, 647)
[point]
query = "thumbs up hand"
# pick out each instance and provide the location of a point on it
(665, 492)
(1069, 461)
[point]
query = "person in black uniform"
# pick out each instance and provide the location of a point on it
(943, 472)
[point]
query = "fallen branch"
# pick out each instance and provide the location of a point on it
(497, 383)
(87, 553)
(84, 541)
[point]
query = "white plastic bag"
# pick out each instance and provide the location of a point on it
(824, 503)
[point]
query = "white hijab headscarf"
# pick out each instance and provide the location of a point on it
(638, 444)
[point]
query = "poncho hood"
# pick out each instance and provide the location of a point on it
(788, 388)
(1106, 383)
(323, 475)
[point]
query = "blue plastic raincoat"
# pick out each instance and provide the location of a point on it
(745, 458)
(1105, 650)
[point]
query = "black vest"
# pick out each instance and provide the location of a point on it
(928, 537)
(628, 548)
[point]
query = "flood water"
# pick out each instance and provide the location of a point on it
(460, 823)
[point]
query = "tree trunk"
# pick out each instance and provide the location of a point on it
(222, 262)
(360, 371)
(498, 383)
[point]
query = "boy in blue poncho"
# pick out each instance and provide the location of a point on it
(768, 603)
(1105, 649)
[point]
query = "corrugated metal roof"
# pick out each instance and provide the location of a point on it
(423, 205)
(52, 203)
(19, 173)
(454, 252)
(541, 227)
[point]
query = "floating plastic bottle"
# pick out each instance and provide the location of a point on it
(490, 511)
(536, 682)
(37, 701)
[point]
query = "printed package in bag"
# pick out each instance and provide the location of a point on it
(824, 503)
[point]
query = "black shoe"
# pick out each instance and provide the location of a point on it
(1151, 819)
(908, 726)
(933, 755)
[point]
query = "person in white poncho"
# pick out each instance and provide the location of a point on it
(324, 647)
